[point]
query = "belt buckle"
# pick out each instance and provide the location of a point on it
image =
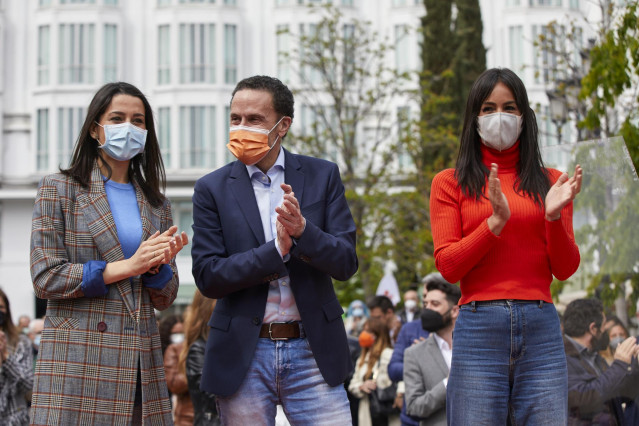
(270, 332)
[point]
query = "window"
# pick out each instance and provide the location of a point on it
(164, 2)
(164, 134)
(76, 1)
(516, 44)
(197, 138)
(42, 142)
(542, 3)
(349, 57)
(69, 124)
(228, 156)
(403, 129)
(230, 54)
(44, 3)
(574, 4)
(183, 218)
(76, 53)
(110, 52)
(164, 59)
(230, 2)
(111, 2)
(43, 55)
(401, 48)
(545, 60)
(197, 1)
(283, 46)
(197, 53)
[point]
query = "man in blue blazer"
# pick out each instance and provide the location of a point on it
(270, 232)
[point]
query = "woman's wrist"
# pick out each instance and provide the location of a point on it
(495, 224)
(553, 217)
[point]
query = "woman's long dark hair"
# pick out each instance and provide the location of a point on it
(147, 168)
(8, 327)
(471, 173)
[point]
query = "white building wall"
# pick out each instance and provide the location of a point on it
(137, 59)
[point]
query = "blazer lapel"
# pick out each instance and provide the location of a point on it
(242, 190)
(436, 353)
(293, 175)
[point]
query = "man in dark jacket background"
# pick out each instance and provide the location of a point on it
(596, 391)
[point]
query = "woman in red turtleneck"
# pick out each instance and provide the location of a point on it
(502, 226)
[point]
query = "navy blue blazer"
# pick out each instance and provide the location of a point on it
(233, 263)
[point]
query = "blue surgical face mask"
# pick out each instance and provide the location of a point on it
(123, 141)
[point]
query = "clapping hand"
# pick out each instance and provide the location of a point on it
(562, 192)
(290, 222)
(498, 201)
(158, 249)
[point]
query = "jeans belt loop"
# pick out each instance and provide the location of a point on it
(541, 304)
(472, 304)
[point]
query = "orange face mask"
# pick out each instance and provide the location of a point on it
(366, 339)
(250, 144)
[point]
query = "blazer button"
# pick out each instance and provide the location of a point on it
(256, 321)
(102, 326)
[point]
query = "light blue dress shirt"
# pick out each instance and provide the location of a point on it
(280, 304)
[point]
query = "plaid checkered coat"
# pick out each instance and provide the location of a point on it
(91, 347)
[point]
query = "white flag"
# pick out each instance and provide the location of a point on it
(388, 287)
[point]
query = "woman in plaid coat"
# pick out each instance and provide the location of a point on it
(102, 253)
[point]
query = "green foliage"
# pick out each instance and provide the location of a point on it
(347, 85)
(612, 79)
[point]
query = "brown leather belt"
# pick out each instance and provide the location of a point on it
(281, 330)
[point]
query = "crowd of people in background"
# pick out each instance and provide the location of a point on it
(264, 336)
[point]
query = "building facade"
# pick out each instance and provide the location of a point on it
(186, 56)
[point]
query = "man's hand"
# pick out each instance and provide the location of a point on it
(289, 214)
(283, 239)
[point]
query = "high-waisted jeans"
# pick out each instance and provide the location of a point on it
(508, 366)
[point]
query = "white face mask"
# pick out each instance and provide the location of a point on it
(499, 130)
(410, 304)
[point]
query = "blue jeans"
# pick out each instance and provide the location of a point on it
(285, 372)
(508, 367)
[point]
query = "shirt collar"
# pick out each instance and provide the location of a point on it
(443, 344)
(581, 349)
(278, 163)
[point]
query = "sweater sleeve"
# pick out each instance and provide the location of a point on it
(455, 254)
(562, 249)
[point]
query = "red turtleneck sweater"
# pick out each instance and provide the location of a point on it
(517, 264)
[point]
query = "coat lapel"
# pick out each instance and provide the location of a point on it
(433, 348)
(293, 175)
(97, 213)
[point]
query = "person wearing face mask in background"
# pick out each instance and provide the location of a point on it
(410, 334)
(617, 332)
(502, 226)
(371, 370)
(270, 233)
(597, 392)
(411, 306)
(426, 364)
(103, 249)
(16, 369)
